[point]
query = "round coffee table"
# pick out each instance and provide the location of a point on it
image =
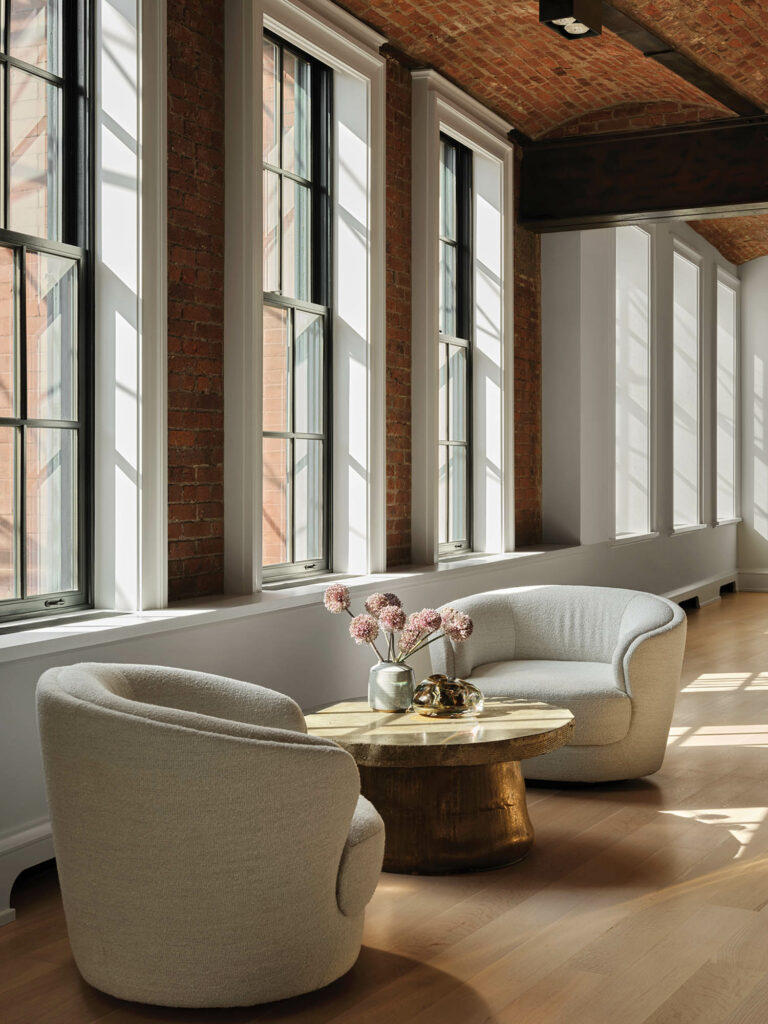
(450, 790)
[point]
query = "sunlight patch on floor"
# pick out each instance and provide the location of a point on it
(727, 736)
(741, 822)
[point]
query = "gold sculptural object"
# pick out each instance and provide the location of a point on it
(441, 696)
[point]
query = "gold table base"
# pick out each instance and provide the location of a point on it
(449, 818)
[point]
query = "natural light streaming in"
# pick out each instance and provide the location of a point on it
(741, 822)
(728, 736)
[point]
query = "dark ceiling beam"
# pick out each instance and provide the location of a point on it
(657, 49)
(686, 171)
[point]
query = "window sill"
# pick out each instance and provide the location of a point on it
(678, 531)
(78, 633)
(729, 522)
(633, 538)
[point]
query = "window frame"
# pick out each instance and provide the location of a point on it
(724, 277)
(695, 258)
(464, 338)
(321, 293)
(75, 242)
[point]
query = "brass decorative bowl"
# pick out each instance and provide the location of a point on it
(441, 696)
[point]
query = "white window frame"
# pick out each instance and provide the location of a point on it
(439, 106)
(727, 278)
(131, 323)
(626, 538)
(695, 257)
(351, 50)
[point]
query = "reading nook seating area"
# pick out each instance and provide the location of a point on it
(383, 512)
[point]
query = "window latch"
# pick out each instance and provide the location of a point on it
(310, 565)
(53, 601)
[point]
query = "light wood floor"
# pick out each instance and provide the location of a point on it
(642, 903)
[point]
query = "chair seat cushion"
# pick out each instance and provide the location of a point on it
(587, 688)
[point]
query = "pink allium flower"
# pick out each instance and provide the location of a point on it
(363, 629)
(457, 625)
(409, 638)
(336, 598)
(428, 619)
(377, 602)
(391, 618)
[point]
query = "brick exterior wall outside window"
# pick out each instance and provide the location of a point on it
(195, 297)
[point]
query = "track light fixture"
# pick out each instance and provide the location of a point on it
(572, 19)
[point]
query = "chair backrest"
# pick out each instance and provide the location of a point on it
(553, 623)
(181, 830)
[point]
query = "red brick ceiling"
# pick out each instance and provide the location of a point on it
(545, 85)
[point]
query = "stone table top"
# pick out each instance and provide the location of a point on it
(505, 730)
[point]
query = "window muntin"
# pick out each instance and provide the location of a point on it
(685, 387)
(727, 310)
(633, 380)
(296, 336)
(455, 347)
(44, 391)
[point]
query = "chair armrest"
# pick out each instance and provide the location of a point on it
(644, 618)
(361, 859)
(205, 694)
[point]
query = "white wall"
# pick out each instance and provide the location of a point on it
(753, 532)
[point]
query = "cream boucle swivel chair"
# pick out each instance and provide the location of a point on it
(612, 657)
(210, 852)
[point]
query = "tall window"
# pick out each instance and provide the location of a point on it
(44, 398)
(297, 288)
(685, 492)
(726, 401)
(455, 347)
(633, 377)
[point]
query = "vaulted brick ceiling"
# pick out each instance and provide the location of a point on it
(544, 85)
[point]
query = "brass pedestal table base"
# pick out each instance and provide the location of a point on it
(450, 791)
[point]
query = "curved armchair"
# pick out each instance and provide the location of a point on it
(612, 657)
(210, 852)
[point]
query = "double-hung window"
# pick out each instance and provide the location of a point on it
(297, 96)
(44, 371)
(727, 318)
(455, 348)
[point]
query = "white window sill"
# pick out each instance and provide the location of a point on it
(729, 522)
(633, 538)
(90, 629)
(678, 531)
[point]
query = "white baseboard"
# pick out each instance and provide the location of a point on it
(707, 590)
(753, 581)
(17, 852)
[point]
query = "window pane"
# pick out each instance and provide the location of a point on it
(308, 499)
(442, 495)
(447, 191)
(308, 371)
(296, 240)
(271, 232)
(35, 156)
(35, 35)
(275, 522)
(686, 393)
(296, 116)
(447, 274)
(7, 347)
(51, 337)
(459, 528)
(457, 384)
(7, 517)
(633, 341)
(270, 104)
(275, 375)
(726, 402)
(442, 391)
(51, 510)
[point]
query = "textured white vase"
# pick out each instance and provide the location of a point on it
(390, 687)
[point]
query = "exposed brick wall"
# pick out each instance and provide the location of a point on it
(195, 297)
(398, 313)
(527, 258)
